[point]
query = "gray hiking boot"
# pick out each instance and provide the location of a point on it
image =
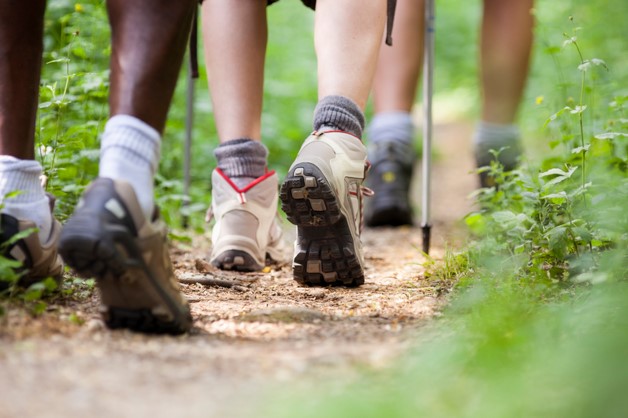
(322, 196)
(109, 238)
(389, 178)
(246, 235)
(39, 260)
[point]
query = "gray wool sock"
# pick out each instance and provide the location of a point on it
(494, 136)
(242, 160)
(338, 113)
(392, 127)
(391, 132)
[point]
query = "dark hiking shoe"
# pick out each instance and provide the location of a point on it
(322, 196)
(109, 238)
(39, 260)
(389, 178)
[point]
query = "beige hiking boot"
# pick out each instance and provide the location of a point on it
(109, 238)
(322, 196)
(246, 235)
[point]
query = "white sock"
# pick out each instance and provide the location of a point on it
(130, 151)
(31, 203)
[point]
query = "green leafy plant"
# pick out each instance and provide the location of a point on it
(544, 221)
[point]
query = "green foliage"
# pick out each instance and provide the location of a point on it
(11, 272)
(73, 97)
(552, 222)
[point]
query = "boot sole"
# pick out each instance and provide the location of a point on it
(325, 252)
(236, 260)
(110, 254)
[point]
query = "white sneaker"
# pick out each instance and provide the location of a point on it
(246, 235)
(322, 196)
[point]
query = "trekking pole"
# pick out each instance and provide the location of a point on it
(428, 78)
(192, 73)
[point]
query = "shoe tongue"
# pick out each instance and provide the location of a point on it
(242, 182)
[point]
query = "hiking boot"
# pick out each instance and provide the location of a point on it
(389, 179)
(246, 235)
(108, 237)
(508, 157)
(322, 196)
(39, 260)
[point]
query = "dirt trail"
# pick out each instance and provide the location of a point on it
(271, 331)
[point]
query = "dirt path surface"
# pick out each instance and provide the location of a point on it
(65, 363)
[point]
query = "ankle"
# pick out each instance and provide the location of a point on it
(395, 127)
(489, 134)
(338, 113)
(130, 151)
(242, 160)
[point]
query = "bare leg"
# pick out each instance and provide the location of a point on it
(148, 38)
(21, 31)
(348, 36)
(505, 54)
(235, 65)
(504, 60)
(399, 67)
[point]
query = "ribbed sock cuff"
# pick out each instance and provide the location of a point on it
(22, 175)
(242, 157)
(338, 112)
(31, 203)
(132, 139)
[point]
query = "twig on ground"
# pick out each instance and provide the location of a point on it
(208, 277)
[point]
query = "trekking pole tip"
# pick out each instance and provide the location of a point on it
(426, 229)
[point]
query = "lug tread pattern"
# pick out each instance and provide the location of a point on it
(325, 251)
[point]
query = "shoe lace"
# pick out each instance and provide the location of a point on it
(364, 192)
(209, 213)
